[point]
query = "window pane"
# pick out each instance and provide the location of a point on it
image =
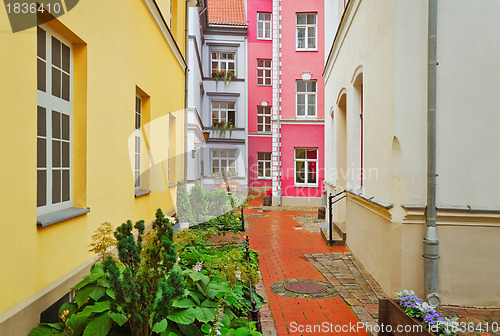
(56, 153)
(311, 110)
(300, 153)
(41, 72)
(301, 86)
(65, 58)
(299, 172)
(313, 86)
(56, 82)
(301, 99)
(65, 127)
(41, 121)
(301, 110)
(260, 73)
(56, 125)
(56, 186)
(65, 87)
(311, 42)
(137, 121)
(65, 185)
(311, 18)
(137, 104)
(41, 156)
(301, 18)
(311, 178)
(312, 154)
(65, 154)
(41, 181)
(267, 16)
(56, 52)
(260, 156)
(41, 46)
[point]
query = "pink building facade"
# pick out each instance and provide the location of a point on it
(260, 93)
(288, 154)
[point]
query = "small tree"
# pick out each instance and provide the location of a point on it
(184, 211)
(145, 282)
(102, 241)
(198, 202)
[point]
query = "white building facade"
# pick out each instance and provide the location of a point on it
(217, 91)
(376, 141)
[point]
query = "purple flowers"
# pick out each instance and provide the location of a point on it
(433, 320)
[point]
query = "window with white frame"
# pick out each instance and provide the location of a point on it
(223, 111)
(306, 31)
(263, 119)
(263, 165)
(223, 61)
(223, 160)
(306, 163)
(54, 122)
(306, 98)
(264, 72)
(263, 26)
(137, 136)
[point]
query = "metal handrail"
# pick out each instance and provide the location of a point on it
(330, 211)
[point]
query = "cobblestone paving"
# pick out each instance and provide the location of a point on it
(352, 282)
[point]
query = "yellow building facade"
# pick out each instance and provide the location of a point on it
(93, 131)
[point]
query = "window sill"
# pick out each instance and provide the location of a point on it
(264, 39)
(139, 193)
(306, 49)
(60, 216)
(172, 185)
(265, 178)
(305, 186)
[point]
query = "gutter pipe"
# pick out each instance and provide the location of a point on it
(431, 241)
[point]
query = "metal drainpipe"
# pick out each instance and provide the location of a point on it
(431, 242)
(186, 87)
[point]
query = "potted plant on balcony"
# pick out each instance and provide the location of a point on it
(230, 125)
(220, 127)
(227, 76)
(404, 315)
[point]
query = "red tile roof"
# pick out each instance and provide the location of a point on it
(226, 12)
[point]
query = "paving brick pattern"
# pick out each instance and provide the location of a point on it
(282, 249)
(289, 253)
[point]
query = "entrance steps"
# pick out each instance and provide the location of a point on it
(339, 234)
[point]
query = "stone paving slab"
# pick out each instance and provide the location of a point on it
(355, 285)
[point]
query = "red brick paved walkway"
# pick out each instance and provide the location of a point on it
(282, 250)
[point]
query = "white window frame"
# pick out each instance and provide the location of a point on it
(222, 113)
(137, 142)
(310, 99)
(265, 161)
(307, 27)
(223, 64)
(228, 156)
(51, 103)
(264, 112)
(266, 72)
(306, 167)
(264, 26)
